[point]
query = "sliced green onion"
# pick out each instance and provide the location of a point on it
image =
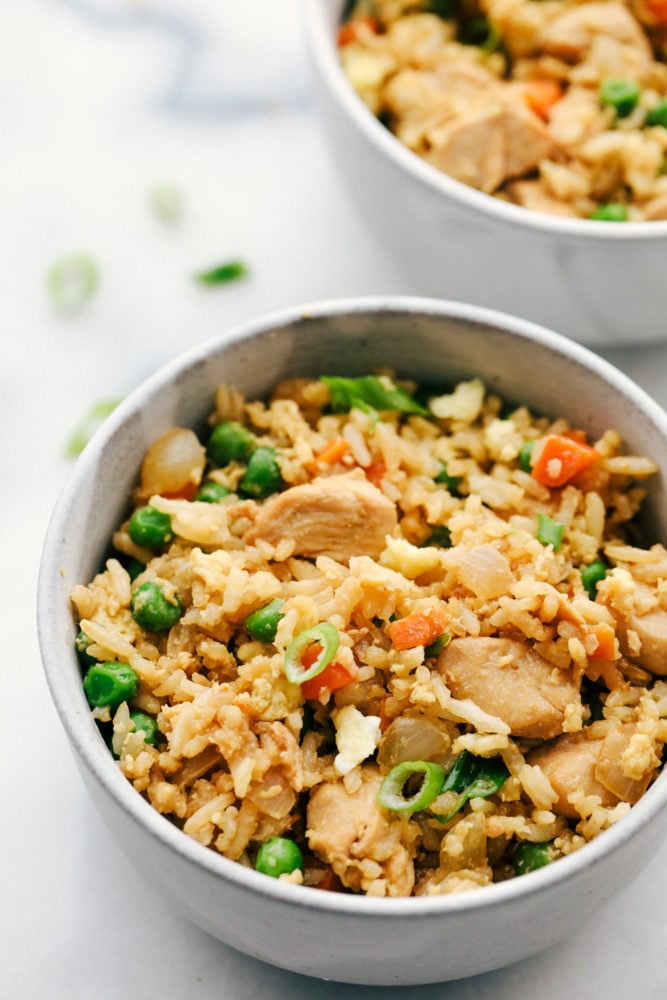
(436, 647)
(391, 792)
(440, 536)
(167, 201)
(473, 778)
(591, 575)
(368, 392)
(529, 857)
(549, 532)
(82, 434)
(221, 274)
(324, 635)
(525, 452)
(72, 280)
(657, 115)
(451, 482)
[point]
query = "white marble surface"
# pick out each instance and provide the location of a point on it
(99, 100)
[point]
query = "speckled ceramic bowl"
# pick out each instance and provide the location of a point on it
(600, 283)
(330, 935)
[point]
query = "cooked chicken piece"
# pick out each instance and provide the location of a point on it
(508, 679)
(346, 829)
(650, 629)
(571, 35)
(579, 762)
(491, 145)
(338, 516)
(656, 208)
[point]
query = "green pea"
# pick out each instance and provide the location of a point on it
(150, 528)
(262, 476)
(611, 212)
(451, 482)
(211, 492)
(278, 856)
(621, 95)
(109, 684)
(529, 857)
(591, 575)
(229, 442)
(525, 453)
(152, 609)
(657, 115)
(147, 725)
(263, 623)
(81, 644)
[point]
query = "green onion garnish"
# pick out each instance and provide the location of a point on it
(549, 532)
(221, 274)
(88, 425)
(72, 280)
(368, 392)
(391, 793)
(451, 482)
(473, 778)
(440, 536)
(167, 201)
(525, 452)
(591, 575)
(529, 857)
(436, 647)
(326, 637)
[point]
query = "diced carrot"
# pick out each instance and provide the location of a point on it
(354, 30)
(606, 637)
(333, 677)
(559, 459)
(186, 492)
(541, 95)
(657, 8)
(417, 629)
(375, 472)
(333, 452)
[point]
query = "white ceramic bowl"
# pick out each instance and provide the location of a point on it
(598, 282)
(330, 935)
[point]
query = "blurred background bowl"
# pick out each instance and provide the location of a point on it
(331, 935)
(600, 283)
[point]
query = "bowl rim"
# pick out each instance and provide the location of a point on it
(77, 719)
(325, 59)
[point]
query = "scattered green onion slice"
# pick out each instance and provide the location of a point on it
(72, 280)
(368, 392)
(529, 857)
(440, 536)
(473, 778)
(657, 115)
(87, 427)
(591, 575)
(549, 532)
(221, 274)
(324, 635)
(525, 452)
(436, 647)
(391, 795)
(451, 482)
(167, 201)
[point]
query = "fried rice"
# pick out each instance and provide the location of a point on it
(559, 106)
(459, 677)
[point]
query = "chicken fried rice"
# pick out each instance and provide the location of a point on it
(377, 639)
(556, 105)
